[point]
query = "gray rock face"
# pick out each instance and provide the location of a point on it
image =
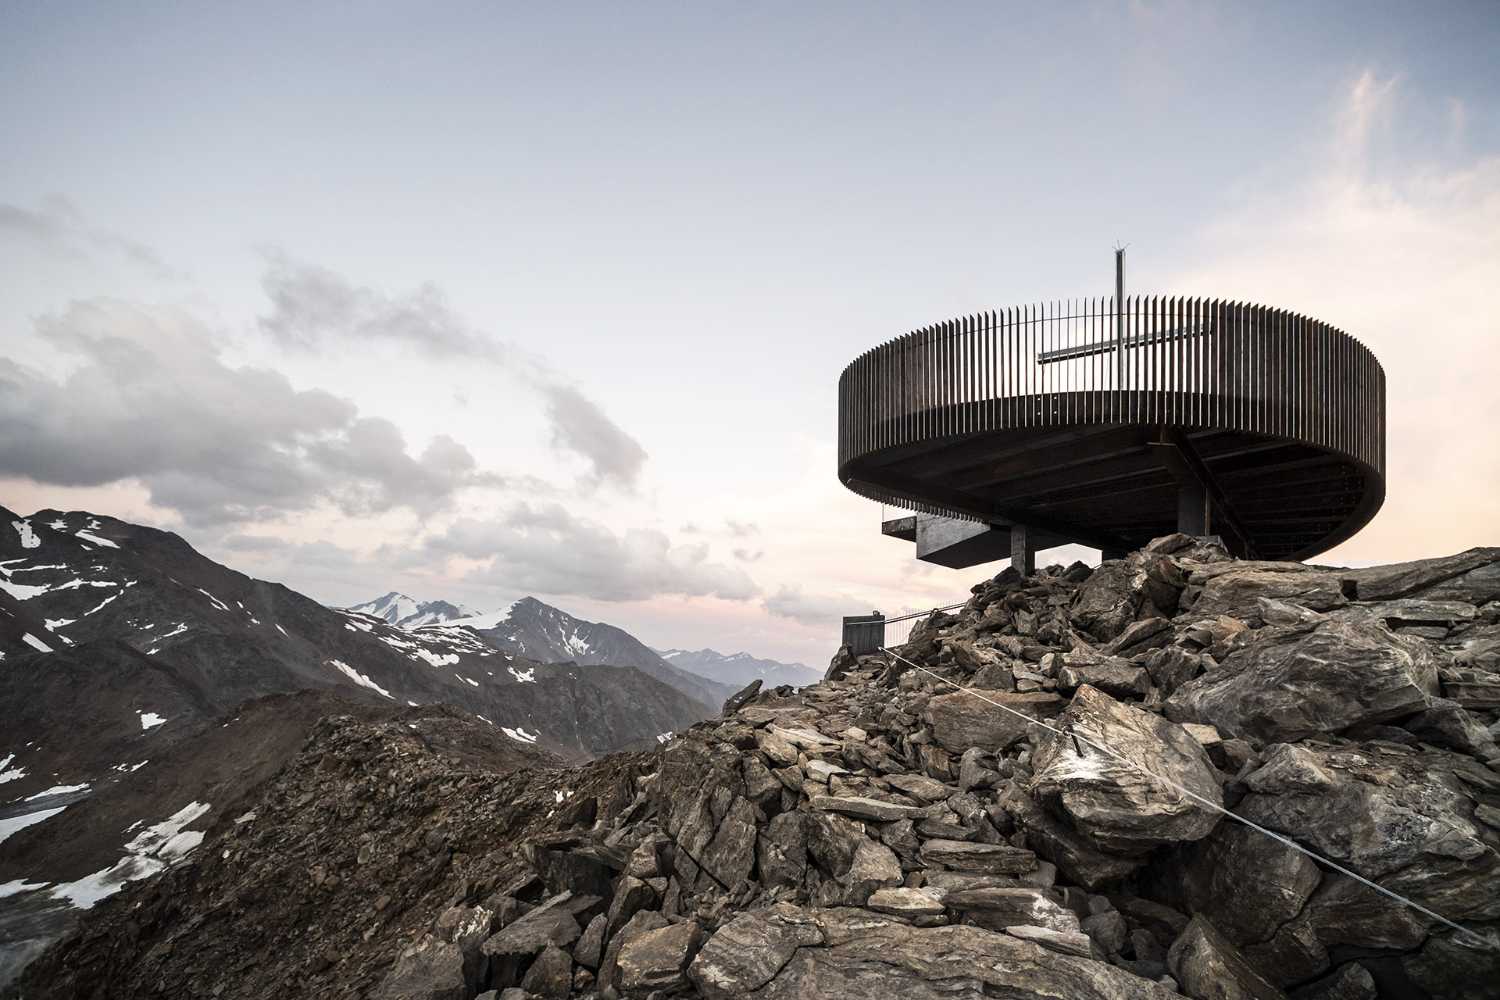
(1349, 982)
(1118, 807)
(1000, 908)
(871, 956)
(1394, 815)
(888, 834)
(1235, 588)
(748, 952)
(1311, 679)
(1246, 884)
(431, 969)
(1208, 967)
(960, 720)
(657, 960)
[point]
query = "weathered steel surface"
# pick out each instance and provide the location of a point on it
(1055, 415)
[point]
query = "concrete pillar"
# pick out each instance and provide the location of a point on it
(1022, 550)
(1192, 508)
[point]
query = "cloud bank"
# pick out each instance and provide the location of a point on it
(150, 399)
(311, 307)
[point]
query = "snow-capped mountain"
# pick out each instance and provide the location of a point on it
(145, 689)
(406, 612)
(539, 631)
(739, 669)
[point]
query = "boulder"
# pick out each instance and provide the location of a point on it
(643, 922)
(1244, 882)
(748, 951)
(1398, 817)
(1108, 600)
(1118, 807)
(1113, 675)
(590, 947)
(1208, 967)
(1455, 969)
(1348, 982)
(1313, 679)
(866, 955)
(550, 976)
(550, 923)
(1448, 724)
(960, 720)
(658, 960)
(1077, 858)
(1236, 588)
(843, 661)
(874, 867)
(631, 896)
(1428, 577)
(903, 902)
(781, 851)
(430, 969)
(740, 698)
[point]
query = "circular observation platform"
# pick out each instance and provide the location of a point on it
(1084, 423)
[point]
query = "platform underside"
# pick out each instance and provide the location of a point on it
(1117, 486)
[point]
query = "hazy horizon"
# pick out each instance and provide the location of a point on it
(475, 302)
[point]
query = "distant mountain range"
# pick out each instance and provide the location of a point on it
(404, 612)
(145, 689)
(739, 669)
(539, 631)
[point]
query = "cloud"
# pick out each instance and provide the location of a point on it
(579, 426)
(745, 555)
(812, 609)
(151, 400)
(547, 549)
(741, 529)
(311, 306)
(1401, 253)
(58, 227)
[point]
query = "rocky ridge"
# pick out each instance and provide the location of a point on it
(887, 833)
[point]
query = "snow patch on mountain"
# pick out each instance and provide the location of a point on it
(357, 677)
(29, 540)
(152, 850)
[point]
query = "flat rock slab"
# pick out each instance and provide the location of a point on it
(990, 859)
(863, 808)
(925, 902)
(868, 955)
(998, 909)
(920, 786)
(1065, 942)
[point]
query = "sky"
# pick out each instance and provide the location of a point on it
(474, 301)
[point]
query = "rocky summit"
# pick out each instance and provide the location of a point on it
(1031, 799)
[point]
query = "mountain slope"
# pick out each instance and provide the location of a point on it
(739, 669)
(405, 612)
(541, 632)
(890, 834)
(68, 580)
(126, 659)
